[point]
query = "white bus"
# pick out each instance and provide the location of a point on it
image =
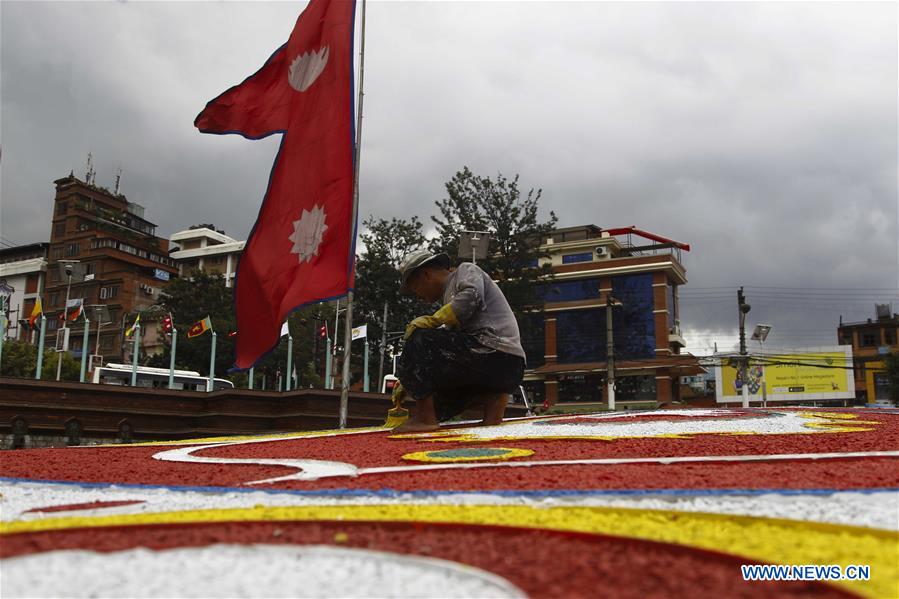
(156, 378)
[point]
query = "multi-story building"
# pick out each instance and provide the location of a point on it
(23, 271)
(566, 344)
(871, 341)
(120, 262)
(204, 248)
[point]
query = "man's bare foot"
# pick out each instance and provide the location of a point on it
(494, 409)
(414, 426)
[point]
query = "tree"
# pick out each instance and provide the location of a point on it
(891, 365)
(479, 203)
(20, 361)
(378, 280)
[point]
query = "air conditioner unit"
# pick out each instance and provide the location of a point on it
(601, 251)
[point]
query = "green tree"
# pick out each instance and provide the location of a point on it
(386, 243)
(497, 205)
(891, 365)
(20, 361)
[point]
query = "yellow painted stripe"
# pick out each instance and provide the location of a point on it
(767, 540)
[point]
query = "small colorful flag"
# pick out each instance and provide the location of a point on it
(232, 333)
(199, 328)
(134, 326)
(35, 312)
(74, 307)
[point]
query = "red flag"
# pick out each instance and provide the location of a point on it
(299, 250)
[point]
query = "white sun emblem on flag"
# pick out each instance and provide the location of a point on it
(306, 68)
(308, 232)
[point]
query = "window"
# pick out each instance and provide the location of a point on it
(73, 249)
(57, 252)
(573, 258)
(889, 336)
(581, 388)
(870, 337)
(633, 322)
(672, 306)
(109, 292)
(533, 338)
(52, 324)
(62, 207)
(568, 291)
(54, 276)
(54, 299)
(581, 336)
(90, 268)
(59, 230)
(636, 388)
(845, 337)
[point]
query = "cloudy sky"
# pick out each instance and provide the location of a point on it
(762, 134)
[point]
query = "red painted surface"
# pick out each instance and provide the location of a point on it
(136, 465)
(540, 562)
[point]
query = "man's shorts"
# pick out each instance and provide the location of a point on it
(454, 368)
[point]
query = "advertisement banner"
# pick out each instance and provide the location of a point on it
(815, 373)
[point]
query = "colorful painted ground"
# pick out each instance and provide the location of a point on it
(649, 504)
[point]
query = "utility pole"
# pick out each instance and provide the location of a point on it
(610, 355)
(383, 348)
(742, 310)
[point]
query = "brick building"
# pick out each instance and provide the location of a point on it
(23, 271)
(122, 264)
(871, 341)
(567, 344)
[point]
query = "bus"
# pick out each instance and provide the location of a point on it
(156, 378)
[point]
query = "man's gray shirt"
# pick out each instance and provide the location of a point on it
(482, 309)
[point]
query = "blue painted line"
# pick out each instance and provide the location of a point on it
(391, 493)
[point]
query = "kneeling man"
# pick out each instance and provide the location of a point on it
(469, 349)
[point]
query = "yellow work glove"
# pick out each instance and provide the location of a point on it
(444, 315)
(397, 414)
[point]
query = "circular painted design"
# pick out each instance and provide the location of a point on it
(468, 454)
(247, 571)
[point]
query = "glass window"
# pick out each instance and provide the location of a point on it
(889, 336)
(636, 388)
(672, 306)
(533, 338)
(574, 258)
(61, 207)
(581, 336)
(73, 249)
(582, 388)
(870, 338)
(60, 230)
(633, 322)
(568, 291)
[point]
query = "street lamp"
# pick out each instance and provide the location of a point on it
(474, 243)
(743, 309)
(68, 267)
(760, 333)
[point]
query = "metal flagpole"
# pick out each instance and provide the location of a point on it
(134, 355)
(348, 334)
(365, 384)
(212, 365)
(40, 347)
(84, 350)
(328, 363)
(250, 380)
(172, 357)
(289, 359)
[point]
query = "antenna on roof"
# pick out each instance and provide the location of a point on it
(118, 180)
(90, 175)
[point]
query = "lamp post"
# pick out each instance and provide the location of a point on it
(760, 333)
(610, 353)
(742, 310)
(69, 266)
(474, 243)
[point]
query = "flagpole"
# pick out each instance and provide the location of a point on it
(172, 357)
(135, 355)
(84, 350)
(348, 335)
(40, 346)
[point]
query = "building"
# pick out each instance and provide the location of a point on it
(23, 272)
(118, 262)
(566, 344)
(204, 248)
(871, 341)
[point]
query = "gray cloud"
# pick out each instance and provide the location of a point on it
(763, 134)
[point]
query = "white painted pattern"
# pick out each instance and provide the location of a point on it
(246, 571)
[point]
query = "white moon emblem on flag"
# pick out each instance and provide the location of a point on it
(306, 68)
(308, 232)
